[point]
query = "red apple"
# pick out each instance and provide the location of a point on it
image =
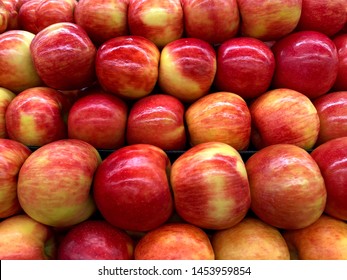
(187, 68)
(12, 8)
(131, 188)
(158, 120)
(64, 56)
(6, 96)
(27, 16)
(210, 186)
(287, 187)
(269, 20)
(331, 158)
(175, 241)
(127, 66)
(219, 117)
(95, 240)
(55, 181)
(306, 61)
(4, 16)
(340, 42)
(245, 67)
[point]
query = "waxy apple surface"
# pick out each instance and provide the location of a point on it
(6, 96)
(3, 18)
(340, 42)
(27, 16)
(12, 7)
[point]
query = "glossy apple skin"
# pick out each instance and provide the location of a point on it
(323, 240)
(332, 112)
(6, 96)
(27, 16)
(306, 61)
(4, 16)
(211, 21)
(55, 181)
(23, 238)
(131, 188)
(219, 117)
(270, 20)
(17, 71)
(287, 187)
(245, 67)
(95, 240)
(102, 20)
(12, 8)
(159, 113)
(250, 239)
(12, 156)
(340, 42)
(331, 158)
(175, 241)
(127, 66)
(210, 186)
(284, 116)
(64, 56)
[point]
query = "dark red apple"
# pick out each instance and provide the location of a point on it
(340, 42)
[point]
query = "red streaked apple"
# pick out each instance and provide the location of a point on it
(127, 66)
(210, 186)
(287, 187)
(64, 56)
(187, 68)
(340, 42)
(219, 117)
(131, 188)
(6, 96)
(175, 241)
(27, 16)
(284, 116)
(55, 181)
(12, 8)
(4, 16)
(245, 67)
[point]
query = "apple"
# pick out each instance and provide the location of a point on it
(23, 238)
(332, 112)
(127, 66)
(55, 181)
(4, 16)
(219, 117)
(250, 239)
(159, 21)
(210, 186)
(245, 66)
(95, 240)
(17, 71)
(287, 187)
(323, 240)
(131, 188)
(27, 16)
(175, 241)
(12, 156)
(12, 8)
(269, 20)
(212, 21)
(102, 19)
(340, 42)
(306, 61)
(187, 69)
(36, 116)
(6, 96)
(64, 56)
(331, 158)
(157, 119)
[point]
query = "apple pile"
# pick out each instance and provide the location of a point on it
(176, 129)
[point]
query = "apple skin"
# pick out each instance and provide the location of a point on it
(211, 21)
(36, 116)
(325, 239)
(131, 188)
(250, 239)
(175, 241)
(27, 16)
(245, 67)
(102, 19)
(4, 16)
(332, 112)
(331, 158)
(161, 113)
(306, 61)
(287, 187)
(340, 42)
(127, 66)
(95, 240)
(12, 156)
(59, 194)
(12, 8)
(210, 186)
(284, 116)
(6, 96)
(64, 56)
(17, 71)
(23, 238)
(157, 20)
(270, 20)
(219, 117)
